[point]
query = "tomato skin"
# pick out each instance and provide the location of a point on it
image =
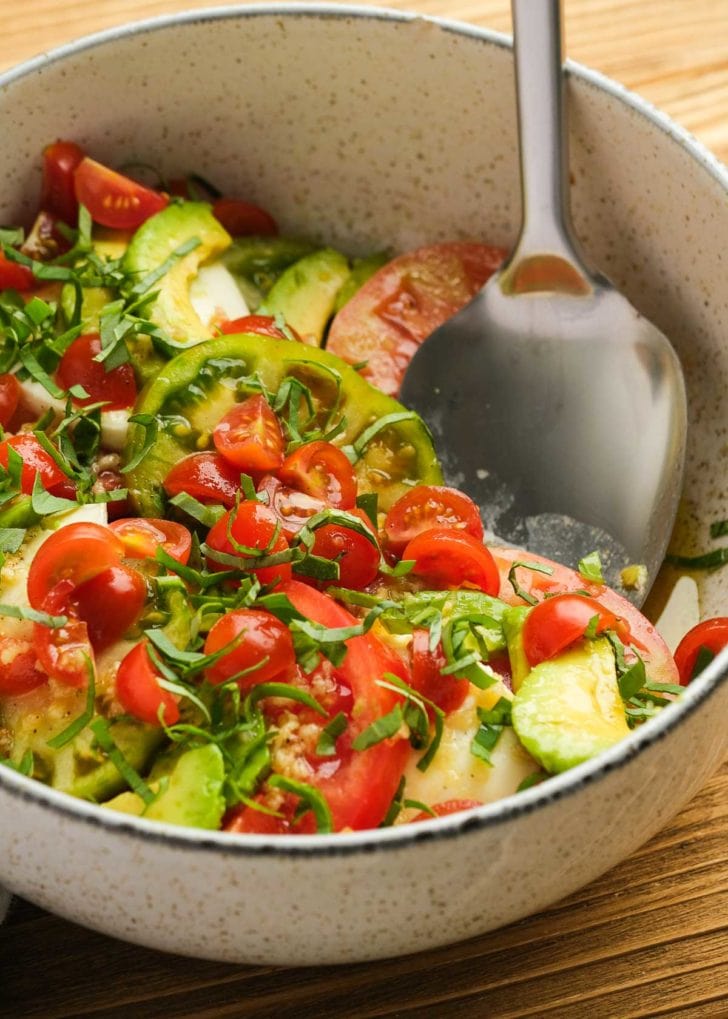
(261, 325)
(109, 604)
(711, 634)
(291, 508)
(428, 506)
(253, 524)
(446, 808)
(63, 652)
(258, 635)
(142, 536)
(58, 192)
(250, 437)
(35, 462)
(357, 557)
(207, 477)
(9, 397)
(114, 200)
(449, 559)
(556, 623)
(75, 553)
(138, 689)
(19, 671)
(117, 388)
(323, 471)
(447, 692)
(402, 303)
(247, 820)
(14, 276)
(241, 219)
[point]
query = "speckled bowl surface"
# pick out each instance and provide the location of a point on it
(371, 129)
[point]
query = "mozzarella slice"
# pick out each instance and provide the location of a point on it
(114, 423)
(215, 295)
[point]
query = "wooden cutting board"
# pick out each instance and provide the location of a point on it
(648, 939)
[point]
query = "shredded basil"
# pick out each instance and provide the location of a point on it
(313, 799)
(131, 776)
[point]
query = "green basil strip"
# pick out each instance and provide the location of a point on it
(131, 776)
(206, 515)
(719, 528)
(632, 680)
(368, 502)
(33, 616)
(11, 538)
(518, 590)
(326, 746)
(43, 503)
(356, 451)
(708, 561)
(380, 729)
(590, 568)
(292, 693)
(313, 799)
(80, 723)
(151, 426)
(703, 659)
(39, 374)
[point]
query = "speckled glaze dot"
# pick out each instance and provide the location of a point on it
(314, 114)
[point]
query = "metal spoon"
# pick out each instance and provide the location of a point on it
(552, 401)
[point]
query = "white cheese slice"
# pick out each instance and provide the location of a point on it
(114, 423)
(215, 295)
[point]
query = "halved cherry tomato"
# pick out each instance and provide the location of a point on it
(117, 388)
(358, 558)
(428, 506)
(9, 397)
(142, 536)
(75, 553)
(113, 199)
(386, 320)
(58, 193)
(19, 670)
(261, 325)
(249, 436)
(111, 481)
(252, 524)
(447, 692)
(64, 652)
(446, 808)
(321, 470)
(291, 507)
(284, 821)
(35, 462)
(138, 689)
(243, 218)
(258, 641)
(711, 634)
(109, 604)
(14, 276)
(556, 623)
(448, 559)
(207, 477)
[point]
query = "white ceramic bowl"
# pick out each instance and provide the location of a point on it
(370, 129)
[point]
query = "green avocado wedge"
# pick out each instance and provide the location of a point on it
(306, 292)
(392, 447)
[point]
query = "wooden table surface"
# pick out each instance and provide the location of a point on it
(650, 938)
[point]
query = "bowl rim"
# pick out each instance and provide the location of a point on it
(509, 808)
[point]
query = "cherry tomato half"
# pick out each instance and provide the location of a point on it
(261, 325)
(19, 671)
(446, 808)
(58, 192)
(258, 641)
(428, 506)
(450, 559)
(115, 200)
(253, 525)
(243, 218)
(711, 634)
(75, 553)
(109, 604)
(321, 470)
(14, 276)
(447, 692)
(292, 508)
(64, 652)
(249, 436)
(142, 536)
(138, 689)
(35, 462)
(207, 477)
(556, 623)
(9, 397)
(117, 388)
(358, 558)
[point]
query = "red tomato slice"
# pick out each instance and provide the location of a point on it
(14, 276)
(450, 559)
(117, 388)
(261, 325)
(9, 398)
(428, 506)
(244, 819)
(259, 642)
(19, 671)
(660, 663)
(446, 808)
(142, 536)
(711, 634)
(358, 558)
(63, 652)
(292, 508)
(75, 553)
(249, 436)
(35, 462)
(58, 192)
(358, 785)
(115, 200)
(243, 218)
(557, 623)
(109, 604)
(253, 525)
(138, 689)
(207, 477)
(395, 310)
(321, 470)
(447, 692)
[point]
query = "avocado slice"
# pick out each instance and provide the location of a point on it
(305, 294)
(257, 262)
(191, 795)
(193, 391)
(513, 619)
(569, 709)
(362, 269)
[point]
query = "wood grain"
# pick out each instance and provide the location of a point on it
(648, 939)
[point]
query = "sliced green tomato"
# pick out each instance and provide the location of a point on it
(195, 389)
(569, 709)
